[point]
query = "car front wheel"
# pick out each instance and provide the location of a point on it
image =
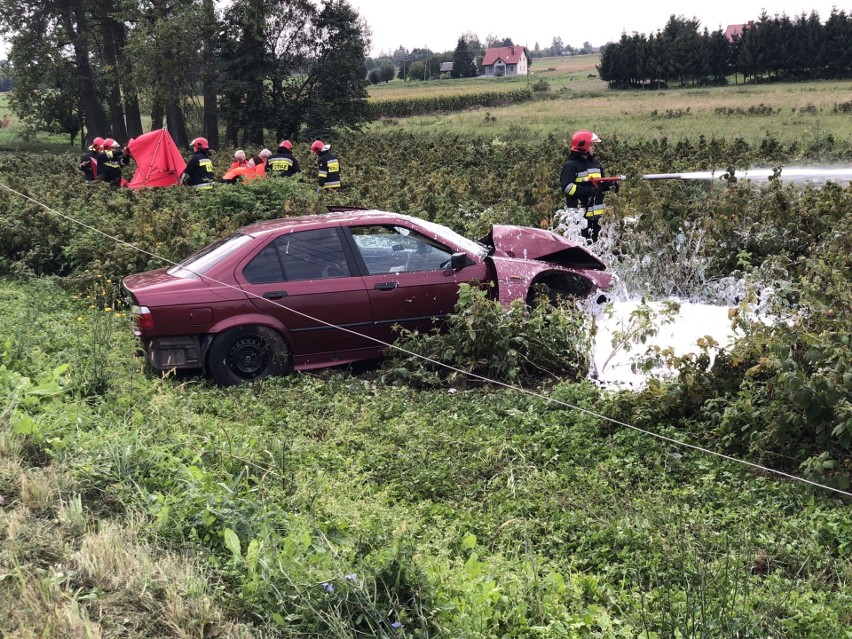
(246, 353)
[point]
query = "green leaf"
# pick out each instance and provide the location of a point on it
(23, 424)
(232, 543)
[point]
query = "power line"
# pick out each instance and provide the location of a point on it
(435, 362)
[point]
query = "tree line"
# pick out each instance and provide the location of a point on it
(93, 67)
(771, 48)
(425, 64)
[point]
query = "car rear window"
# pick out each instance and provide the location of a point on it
(305, 255)
(209, 256)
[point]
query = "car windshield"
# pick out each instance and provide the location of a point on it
(446, 232)
(209, 256)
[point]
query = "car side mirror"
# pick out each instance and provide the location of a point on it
(458, 261)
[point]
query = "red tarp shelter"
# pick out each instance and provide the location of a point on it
(158, 161)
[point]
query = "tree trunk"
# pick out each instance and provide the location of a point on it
(211, 116)
(116, 112)
(132, 113)
(109, 37)
(177, 125)
(157, 117)
(231, 133)
(74, 20)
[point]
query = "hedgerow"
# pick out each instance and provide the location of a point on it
(405, 107)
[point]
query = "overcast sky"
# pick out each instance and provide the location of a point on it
(437, 24)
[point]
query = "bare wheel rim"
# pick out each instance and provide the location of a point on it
(248, 356)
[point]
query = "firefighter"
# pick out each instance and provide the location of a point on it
(581, 195)
(282, 163)
(89, 160)
(328, 166)
(199, 170)
(110, 161)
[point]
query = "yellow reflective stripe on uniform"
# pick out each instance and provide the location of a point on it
(587, 176)
(331, 185)
(594, 211)
(333, 166)
(573, 189)
(280, 164)
(202, 187)
(207, 165)
(323, 174)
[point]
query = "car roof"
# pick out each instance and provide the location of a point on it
(333, 218)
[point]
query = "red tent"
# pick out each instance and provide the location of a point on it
(158, 161)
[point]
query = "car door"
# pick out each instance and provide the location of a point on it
(407, 276)
(307, 280)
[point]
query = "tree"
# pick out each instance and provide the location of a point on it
(417, 70)
(246, 60)
(332, 92)
(556, 47)
(6, 83)
(210, 117)
(166, 50)
(463, 64)
(492, 41)
(387, 72)
(42, 29)
(46, 94)
(474, 44)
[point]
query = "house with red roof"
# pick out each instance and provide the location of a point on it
(506, 61)
(736, 30)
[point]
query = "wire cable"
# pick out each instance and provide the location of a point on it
(449, 367)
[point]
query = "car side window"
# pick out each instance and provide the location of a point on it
(265, 268)
(397, 249)
(312, 255)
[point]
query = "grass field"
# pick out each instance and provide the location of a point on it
(787, 111)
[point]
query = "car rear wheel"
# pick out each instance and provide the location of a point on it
(246, 353)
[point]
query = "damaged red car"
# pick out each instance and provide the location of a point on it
(316, 291)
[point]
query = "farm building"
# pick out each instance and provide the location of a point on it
(506, 61)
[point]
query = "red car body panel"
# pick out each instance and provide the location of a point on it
(341, 318)
(528, 243)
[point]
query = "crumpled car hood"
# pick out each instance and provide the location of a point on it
(538, 244)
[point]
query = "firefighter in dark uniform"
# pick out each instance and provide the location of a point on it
(328, 166)
(199, 170)
(89, 160)
(581, 194)
(282, 163)
(110, 162)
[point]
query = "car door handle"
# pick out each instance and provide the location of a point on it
(386, 286)
(274, 295)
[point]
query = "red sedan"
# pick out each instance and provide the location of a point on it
(316, 291)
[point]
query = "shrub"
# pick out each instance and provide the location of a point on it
(509, 344)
